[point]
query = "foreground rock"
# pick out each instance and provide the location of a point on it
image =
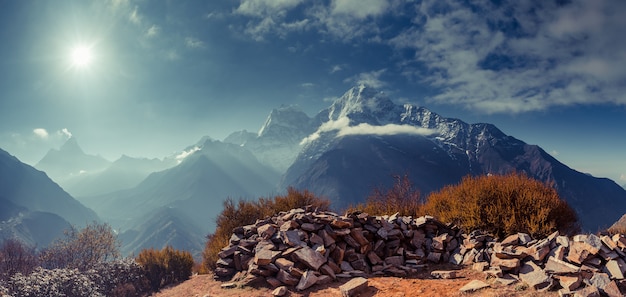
(302, 248)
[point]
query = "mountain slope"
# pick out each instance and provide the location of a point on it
(196, 188)
(364, 137)
(124, 173)
(26, 186)
(164, 227)
(32, 207)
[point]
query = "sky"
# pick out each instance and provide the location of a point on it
(148, 78)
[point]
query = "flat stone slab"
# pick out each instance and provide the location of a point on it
(443, 274)
(353, 287)
(280, 291)
(474, 285)
(310, 258)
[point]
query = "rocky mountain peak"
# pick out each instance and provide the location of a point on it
(71, 147)
(362, 104)
(289, 117)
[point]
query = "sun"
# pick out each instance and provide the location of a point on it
(81, 56)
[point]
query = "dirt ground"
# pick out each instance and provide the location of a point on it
(421, 284)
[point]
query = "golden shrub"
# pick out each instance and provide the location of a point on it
(503, 205)
(402, 197)
(165, 267)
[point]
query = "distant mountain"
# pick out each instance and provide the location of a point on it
(364, 138)
(124, 173)
(70, 161)
(278, 141)
(33, 207)
(196, 188)
(165, 226)
(81, 174)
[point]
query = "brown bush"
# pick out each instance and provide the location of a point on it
(82, 249)
(247, 212)
(503, 205)
(402, 197)
(16, 257)
(165, 267)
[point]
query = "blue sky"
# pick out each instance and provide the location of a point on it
(161, 74)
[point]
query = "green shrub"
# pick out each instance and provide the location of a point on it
(503, 205)
(402, 197)
(165, 267)
(247, 212)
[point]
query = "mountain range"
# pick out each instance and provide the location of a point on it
(345, 151)
(33, 208)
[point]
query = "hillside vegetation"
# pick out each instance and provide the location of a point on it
(87, 262)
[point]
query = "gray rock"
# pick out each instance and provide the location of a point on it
(535, 277)
(280, 291)
(443, 274)
(557, 266)
(309, 257)
(353, 287)
(474, 286)
(307, 280)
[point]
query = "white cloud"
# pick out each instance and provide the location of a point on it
(359, 9)
(153, 31)
(554, 153)
(134, 16)
(192, 42)
(371, 79)
(41, 133)
(172, 55)
(184, 154)
(336, 68)
(266, 7)
(389, 129)
(622, 177)
(307, 85)
(64, 132)
(560, 55)
(341, 19)
(343, 128)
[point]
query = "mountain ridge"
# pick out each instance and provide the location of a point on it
(367, 117)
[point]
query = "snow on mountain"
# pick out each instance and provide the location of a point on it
(278, 141)
(363, 138)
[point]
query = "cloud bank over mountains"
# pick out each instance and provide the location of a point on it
(343, 128)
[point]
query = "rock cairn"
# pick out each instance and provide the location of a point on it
(583, 265)
(303, 247)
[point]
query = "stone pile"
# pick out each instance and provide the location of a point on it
(303, 247)
(583, 265)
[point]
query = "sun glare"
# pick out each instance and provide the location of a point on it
(82, 56)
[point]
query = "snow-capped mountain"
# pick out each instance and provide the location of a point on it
(278, 141)
(364, 138)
